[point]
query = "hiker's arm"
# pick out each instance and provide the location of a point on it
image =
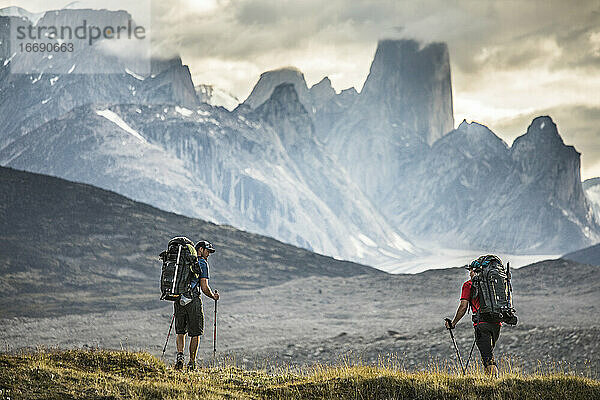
(206, 289)
(460, 312)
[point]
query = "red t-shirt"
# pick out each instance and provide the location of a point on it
(466, 295)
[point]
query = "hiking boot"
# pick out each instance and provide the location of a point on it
(179, 362)
(191, 365)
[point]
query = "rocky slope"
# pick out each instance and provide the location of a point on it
(404, 106)
(76, 249)
(589, 255)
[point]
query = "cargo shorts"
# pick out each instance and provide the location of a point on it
(189, 318)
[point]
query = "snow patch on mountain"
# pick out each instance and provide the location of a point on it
(136, 76)
(215, 96)
(111, 116)
(183, 111)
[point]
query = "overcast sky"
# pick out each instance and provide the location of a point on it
(511, 60)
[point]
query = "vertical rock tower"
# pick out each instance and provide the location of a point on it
(404, 106)
(411, 87)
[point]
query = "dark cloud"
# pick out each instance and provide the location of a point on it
(259, 13)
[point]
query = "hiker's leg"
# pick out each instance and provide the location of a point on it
(195, 326)
(492, 369)
(194, 340)
(485, 343)
(180, 342)
(181, 320)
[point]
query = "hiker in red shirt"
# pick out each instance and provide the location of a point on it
(486, 333)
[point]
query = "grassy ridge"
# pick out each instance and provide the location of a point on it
(108, 375)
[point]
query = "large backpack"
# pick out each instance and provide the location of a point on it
(492, 285)
(176, 272)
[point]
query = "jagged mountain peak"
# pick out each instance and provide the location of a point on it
(322, 92)
(324, 87)
(283, 104)
(475, 130)
(543, 130)
(411, 85)
(348, 96)
(270, 79)
(542, 141)
(542, 157)
(351, 91)
(473, 136)
(324, 83)
(284, 112)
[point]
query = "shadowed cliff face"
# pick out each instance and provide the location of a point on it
(412, 87)
(284, 111)
(405, 105)
(541, 155)
(271, 79)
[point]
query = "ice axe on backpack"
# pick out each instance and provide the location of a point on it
(455, 346)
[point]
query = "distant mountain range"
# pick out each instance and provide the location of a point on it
(373, 176)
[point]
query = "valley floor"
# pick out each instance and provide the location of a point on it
(327, 320)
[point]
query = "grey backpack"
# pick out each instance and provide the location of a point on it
(176, 271)
(492, 285)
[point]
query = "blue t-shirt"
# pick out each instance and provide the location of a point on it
(200, 271)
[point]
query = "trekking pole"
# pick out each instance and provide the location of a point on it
(455, 346)
(470, 353)
(168, 334)
(215, 335)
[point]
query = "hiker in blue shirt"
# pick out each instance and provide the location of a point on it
(189, 318)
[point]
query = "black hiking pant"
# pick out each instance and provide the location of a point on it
(486, 336)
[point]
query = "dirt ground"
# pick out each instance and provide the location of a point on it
(369, 318)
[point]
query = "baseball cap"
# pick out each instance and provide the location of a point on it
(205, 244)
